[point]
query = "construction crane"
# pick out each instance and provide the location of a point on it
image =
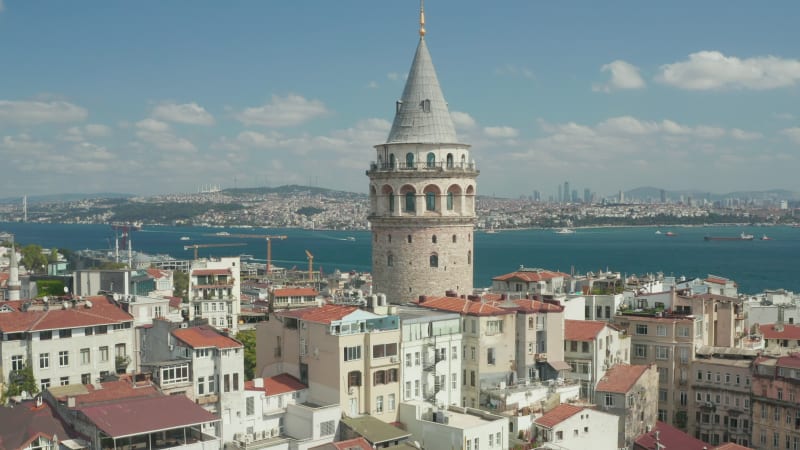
(196, 246)
(310, 265)
(268, 238)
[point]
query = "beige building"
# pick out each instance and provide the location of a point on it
(719, 409)
(215, 292)
(629, 392)
(592, 347)
(776, 402)
(532, 281)
(488, 343)
(344, 354)
(668, 340)
(539, 337)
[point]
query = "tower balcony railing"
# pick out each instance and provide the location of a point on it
(422, 166)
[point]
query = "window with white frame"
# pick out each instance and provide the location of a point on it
(352, 353)
(662, 352)
(640, 351)
(17, 363)
(44, 360)
(379, 404)
(641, 328)
(390, 402)
(86, 357)
(175, 374)
(494, 327)
(63, 358)
(683, 332)
(661, 330)
(609, 400)
(250, 406)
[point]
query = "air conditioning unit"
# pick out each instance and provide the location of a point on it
(184, 325)
(171, 347)
(393, 359)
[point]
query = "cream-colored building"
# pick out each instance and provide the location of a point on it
(592, 347)
(629, 392)
(454, 427)
(488, 343)
(719, 407)
(215, 292)
(539, 337)
(344, 354)
(576, 427)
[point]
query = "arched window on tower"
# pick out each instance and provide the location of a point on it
(392, 161)
(463, 161)
(410, 199)
(431, 160)
(390, 260)
(449, 160)
(434, 260)
(391, 202)
(409, 160)
(426, 105)
(430, 201)
(454, 239)
(469, 257)
(433, 238)
(450, 197)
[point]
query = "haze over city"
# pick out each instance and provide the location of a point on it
(154, 97)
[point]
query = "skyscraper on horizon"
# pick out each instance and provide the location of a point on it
(422, 194)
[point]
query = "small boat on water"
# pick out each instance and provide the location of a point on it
(670, 234)
(741, 237)
(766, 238)
(223, 233)
(350, 238)
(565, 231)
(186, 238)
(658, 231)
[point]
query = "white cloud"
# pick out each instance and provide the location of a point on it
(186, 113)
(624, 75)
(462, 120)
(514, 71)
(783, 116)
(2, 7)
(709, 70)
(792, 133)
(80, 134)
(372, 84)
(501, 132)
(283, 112)
(161, 136)
(37, 112)
(97, 130)
(395, 76)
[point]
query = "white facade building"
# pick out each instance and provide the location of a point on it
(570, 427)
(215, 292)
(454, 427)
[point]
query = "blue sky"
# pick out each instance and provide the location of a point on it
(163, 97)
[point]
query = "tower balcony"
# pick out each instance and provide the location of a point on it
(423, 167)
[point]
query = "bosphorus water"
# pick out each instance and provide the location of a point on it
(755, 265)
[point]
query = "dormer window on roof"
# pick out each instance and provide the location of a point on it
(426, 105)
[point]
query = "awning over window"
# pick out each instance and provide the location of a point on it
(559, 365)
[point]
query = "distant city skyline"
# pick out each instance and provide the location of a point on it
(155, 98)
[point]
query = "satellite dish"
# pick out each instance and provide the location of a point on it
(66, 290)
(45, 299)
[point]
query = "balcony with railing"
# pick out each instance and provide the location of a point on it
(422, 166)
(429, 364)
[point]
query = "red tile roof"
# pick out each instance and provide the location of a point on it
(146, 415)
(201, 272)
(582, 330)
(558, 414)
(20, 425)
(102, 312)
(789, 331)
(157, 273)
(112, 391)
(319, 314)
(792, 361)
(175, 302)
(537, 306)
(279, 384)
(295, 292)
(205, 336)
(530, 276)
(465, 306)
(670, 438)
(621, 378)
(717, 280)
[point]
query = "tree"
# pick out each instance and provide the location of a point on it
(180, 281)
(248, 338)
(53, 256)
(22, 381)
(33, 259)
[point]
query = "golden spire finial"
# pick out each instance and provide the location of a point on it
(421, 18)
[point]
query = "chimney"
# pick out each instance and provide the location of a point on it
(258, 383)
(422, 298)
(503, 297)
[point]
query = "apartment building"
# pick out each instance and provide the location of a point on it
(780, 335)
(346, 355)
(488, 343)
(532, 281)
(431, 346)
(293, 297)
(719, 407)
(215, 292)
(668, 340)
(454, 427)
(776, 402)
(576, 427)
(65, 342)
(629, 392)
(592, 347)
(538, 341)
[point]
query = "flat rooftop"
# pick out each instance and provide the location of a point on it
(410, 313)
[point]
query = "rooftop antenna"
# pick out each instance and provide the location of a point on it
(421, 18)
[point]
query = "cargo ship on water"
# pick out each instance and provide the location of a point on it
(741, 237)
